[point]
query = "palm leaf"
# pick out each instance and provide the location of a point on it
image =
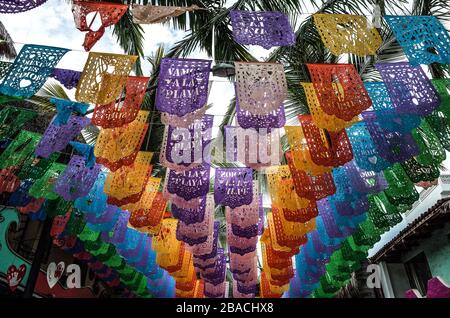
(42, 98)
(6, 44)
(130, 37)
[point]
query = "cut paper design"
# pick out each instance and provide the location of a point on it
(440, 124)
(64, 108)
(260, 87)
(149, 219)
(386, 113)
(197, 233)
(183, 149)
(308, 186)
(76, 223)
(281, 239)
(383, 214)
(30, 70)
(233, 187)
(86, 150)
(206, 253)
(191, 215)
(419, 172)
(19, 149)
(126, 108)
(301, 215)
(243, 267)
(56, 138)
(148, 14)
(59, 224)
(215, 282)
(431, 151)
(8, 180)
(400, 190)
(322, 119)
(348, 203)
(187, 185)
(300, 151)
(43, 187)
(335, 225)
(289, 228)
(68, 78)
(339, 89)
(275, 119)
(423, 38)
(266, 288)
(364, 151)
(183, 86)
(363, 181)
(242, 235)
(34, 208)
(103, 221)
(103, 78)
(410, 90)
(110, 14)
(183, 121)
(56, 207)
(127, 184)
(14, 6)
(77, 179)
(442, 86)
(427, 184)
(278, 278)
(282, 189)
(117, 147)
(20, 197)
(12, 120)
(332, 151)
(165, 242)
(263, 28)
(4, 66)
(95, 200)
(146, 200)
(367, 234)
(392, 146)
(247, 220)
(345, 33)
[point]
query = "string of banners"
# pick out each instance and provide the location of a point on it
(351, 169)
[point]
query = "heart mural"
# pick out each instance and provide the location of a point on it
(373, 159)
(15, 276)
(54, 273)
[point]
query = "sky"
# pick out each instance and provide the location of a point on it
(52, 24)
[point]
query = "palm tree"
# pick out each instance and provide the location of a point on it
(7, 49)
(202, 25)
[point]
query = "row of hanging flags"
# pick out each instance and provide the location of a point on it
(351, 169)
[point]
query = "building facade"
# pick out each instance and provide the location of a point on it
(418, 248)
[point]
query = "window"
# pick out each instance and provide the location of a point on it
(418, 272)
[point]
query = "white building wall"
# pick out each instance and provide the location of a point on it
(427, 199)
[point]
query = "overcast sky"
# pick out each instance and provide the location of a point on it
(52, 24)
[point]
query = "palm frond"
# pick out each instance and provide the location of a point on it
(90, 134)
(42, 98)
(130, 37)
(6, 44)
